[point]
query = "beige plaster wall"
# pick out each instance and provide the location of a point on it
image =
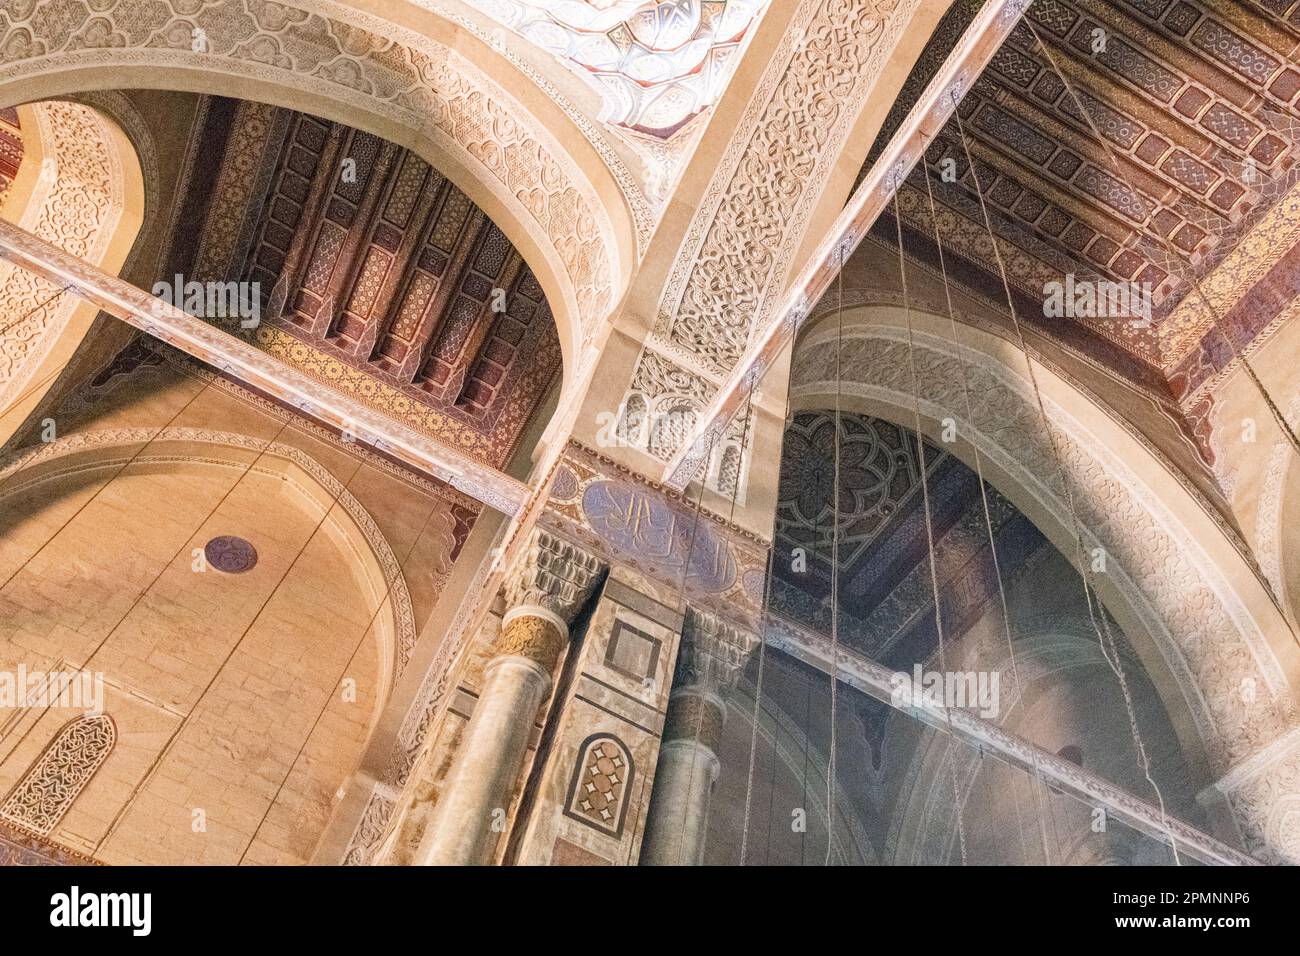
(228, 691)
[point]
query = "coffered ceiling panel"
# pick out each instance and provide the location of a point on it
(377, 274)
(1182, 137)
(877, 545)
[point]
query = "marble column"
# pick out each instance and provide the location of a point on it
(553, 581)
(709, 659)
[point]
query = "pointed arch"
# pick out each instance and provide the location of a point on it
(1209, 633)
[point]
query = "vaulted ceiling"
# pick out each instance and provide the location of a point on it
(396, 287)
(656, 63)
(1196, 103)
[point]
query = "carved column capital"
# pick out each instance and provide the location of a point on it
(532, 636)
(712, 653)
(553, 575)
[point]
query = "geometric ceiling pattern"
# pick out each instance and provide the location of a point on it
(1197, 103)
(879, 529)
(656, 63)
(396, 288)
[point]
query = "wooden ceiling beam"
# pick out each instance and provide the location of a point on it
(251, 366)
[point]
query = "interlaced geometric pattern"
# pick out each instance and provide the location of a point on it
(40, 799)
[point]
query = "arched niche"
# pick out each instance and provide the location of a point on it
(79, 187)
(351, 569)
(542, 172)
(86, 458)
(1209, 634)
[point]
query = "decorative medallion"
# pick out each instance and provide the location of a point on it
(231, 554)
(565, 486)
(651, 534)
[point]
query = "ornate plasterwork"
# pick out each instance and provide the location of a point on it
(712, 653)
(735, 259)
(644, 216)
(46, 791)
(352, 60)
(1232, 683)
(395, 589)
(655, 63)
(537, 639)
(119, 108)
(77, 205)
(552, 574)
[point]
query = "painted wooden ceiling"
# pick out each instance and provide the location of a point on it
(879, 538)
(11, 148)
(1195, 104)
(396, 287)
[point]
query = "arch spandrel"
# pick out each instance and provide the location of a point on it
(80, 187)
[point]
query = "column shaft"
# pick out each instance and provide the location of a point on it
(679, 814)
(471, 809)
(678, 821)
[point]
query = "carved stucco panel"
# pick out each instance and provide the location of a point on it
(52, 784)
(77, 206)
(734, 261)
(757, 206)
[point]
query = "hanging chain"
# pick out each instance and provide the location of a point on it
(835, 556)
(925, 507)
(984, 498)
(1076, 526)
